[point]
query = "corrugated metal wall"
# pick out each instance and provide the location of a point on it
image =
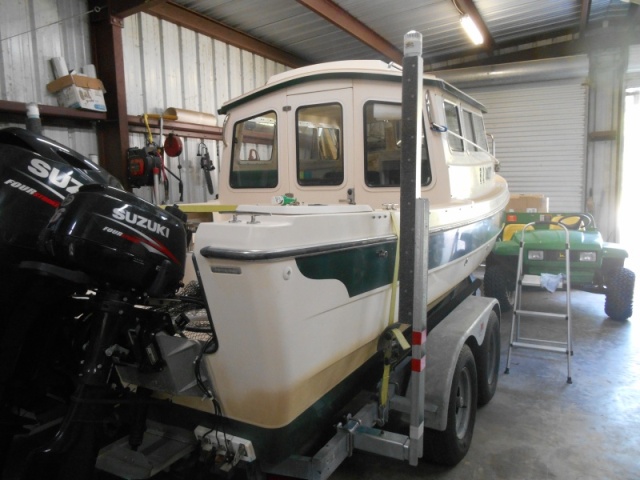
(540, 132)
(165, 66)
(633, 66)
(32, 32)
(170, 66)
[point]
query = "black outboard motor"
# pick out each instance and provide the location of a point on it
(36, 175)
(129, 250)
(119, 240)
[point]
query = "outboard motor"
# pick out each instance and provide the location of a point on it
(36, 175)
(120, 240)
(128, 250)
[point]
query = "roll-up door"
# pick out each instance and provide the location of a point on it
(537, 113)
(539, 130)
(633, 67)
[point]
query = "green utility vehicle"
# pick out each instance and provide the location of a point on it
(595, 265)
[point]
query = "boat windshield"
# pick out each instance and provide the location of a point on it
(474, 134)
(319, 153)
(254, 158)
(383, 134)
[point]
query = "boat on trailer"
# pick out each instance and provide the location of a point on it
(299, 278)
(293, 348)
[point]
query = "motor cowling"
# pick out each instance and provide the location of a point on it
(118, 239)
(36, 175)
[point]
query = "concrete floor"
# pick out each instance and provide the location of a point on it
(539, 427)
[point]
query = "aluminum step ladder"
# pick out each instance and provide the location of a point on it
(516, 340)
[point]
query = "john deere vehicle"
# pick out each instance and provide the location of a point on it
(595, 265)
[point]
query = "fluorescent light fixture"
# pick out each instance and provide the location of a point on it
(471, 30)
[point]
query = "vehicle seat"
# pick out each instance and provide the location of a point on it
(572, 222)
(511, 228)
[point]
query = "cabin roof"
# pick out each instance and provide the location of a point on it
(357, 69)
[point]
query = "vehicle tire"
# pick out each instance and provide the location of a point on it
(619, 299)
(450, 446)
(488, 361)
(497, 284)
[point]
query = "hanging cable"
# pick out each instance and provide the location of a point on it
(93, 10)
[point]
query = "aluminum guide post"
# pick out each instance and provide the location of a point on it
(413, 243)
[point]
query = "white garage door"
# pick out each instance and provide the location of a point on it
(540, 129)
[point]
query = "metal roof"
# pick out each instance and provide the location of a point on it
(315, 31)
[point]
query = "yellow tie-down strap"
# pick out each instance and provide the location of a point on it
(391, 334)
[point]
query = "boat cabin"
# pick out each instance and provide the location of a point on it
(331, 133)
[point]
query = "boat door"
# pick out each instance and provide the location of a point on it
(320, 143)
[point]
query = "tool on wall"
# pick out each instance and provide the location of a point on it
(173, 148)
(146, 167)
(207, 165)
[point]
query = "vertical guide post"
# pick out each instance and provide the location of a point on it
(413, 233)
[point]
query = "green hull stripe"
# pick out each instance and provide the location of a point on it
(370, 267)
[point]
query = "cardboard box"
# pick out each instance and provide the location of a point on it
(528, 202)
(77, 91)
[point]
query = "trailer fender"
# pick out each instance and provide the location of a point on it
(444, 343)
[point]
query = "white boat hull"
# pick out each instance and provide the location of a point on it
(299, 300)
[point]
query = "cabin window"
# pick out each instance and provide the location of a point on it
(254, 158)
(474, 134)
(383, 149)
(454, 132)
(319, 145)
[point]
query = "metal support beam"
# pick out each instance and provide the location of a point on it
(126, 8)
(107, 49)
(347, 22)
(585, 11)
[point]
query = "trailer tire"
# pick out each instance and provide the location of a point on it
(497, 284)
(488, 361)
(450, 446)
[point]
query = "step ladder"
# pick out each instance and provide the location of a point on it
(516, 340)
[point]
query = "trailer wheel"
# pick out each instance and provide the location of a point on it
(497, 284)
(450, 446)
(619, 300)
(488, 362)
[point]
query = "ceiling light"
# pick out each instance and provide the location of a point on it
(471, 30)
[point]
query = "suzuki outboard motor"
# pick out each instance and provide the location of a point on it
(36, 175)
(129, 250)
(119, 240)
